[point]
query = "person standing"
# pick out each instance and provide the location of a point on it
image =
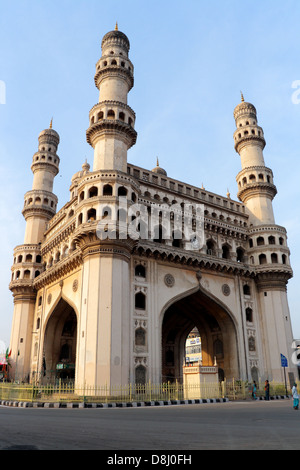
(267, 390)
(295, 397)
(254, 390)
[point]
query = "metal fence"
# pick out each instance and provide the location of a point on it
(70, 392)
(242, 390)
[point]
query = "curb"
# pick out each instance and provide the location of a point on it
(276, 397)
(24, 404)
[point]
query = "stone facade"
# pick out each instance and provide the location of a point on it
(107, 289)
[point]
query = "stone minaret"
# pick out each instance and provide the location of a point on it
(111, 132)
(39, 207)
(106, 259)
(255, 181)
(268, 249)
(40, 203)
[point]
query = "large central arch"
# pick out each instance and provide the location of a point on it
(217, 330)
(59, 355)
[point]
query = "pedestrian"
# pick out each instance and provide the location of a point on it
(295, 397)
(267, 390)
(254, 390)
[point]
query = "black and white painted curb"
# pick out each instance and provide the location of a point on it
(110, 405)
(23, 404)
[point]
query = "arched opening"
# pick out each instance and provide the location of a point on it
(107, 190)
(140, 271)
(225, 252)
(246, 289)
(159, 234)
(271, 240)
(60, 344)
(80, 218)
(262, 259)
(177, 238)
(122, 191)
(27, 274)
(92, 215)
(93, 192)
(216, 329)
(140, 301)
(110, 114)
(274, 258)
(260, 241)
(106, 212)
(240, 255)
(249, 315)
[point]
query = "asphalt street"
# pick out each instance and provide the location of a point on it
(249, 425)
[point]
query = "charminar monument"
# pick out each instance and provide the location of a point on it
(107, 289)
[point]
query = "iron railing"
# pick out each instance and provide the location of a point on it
(166, 392)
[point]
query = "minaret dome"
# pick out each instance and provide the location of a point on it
(111, 132)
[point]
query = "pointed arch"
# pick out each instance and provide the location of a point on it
(60, 341)
(215, 323)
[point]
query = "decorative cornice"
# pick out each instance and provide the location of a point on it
(275, 269)
(273, 280)
(266, 228)
(248, 140)
(112, 103)
(110, 71)
(90, 244)
(257, 189)
(112, 128)
(32, 247)
(23, 290)
(192, 258)
(58, 238)
(39, 210)
(45, 165)
(59, 270)
(258, 168)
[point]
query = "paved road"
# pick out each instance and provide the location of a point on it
(234, 425)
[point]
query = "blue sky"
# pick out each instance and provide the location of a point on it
(191, 60)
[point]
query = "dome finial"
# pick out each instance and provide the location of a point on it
(86, 166)
(50, 127)
(116, 27)
(158, 169)
(242, 97)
